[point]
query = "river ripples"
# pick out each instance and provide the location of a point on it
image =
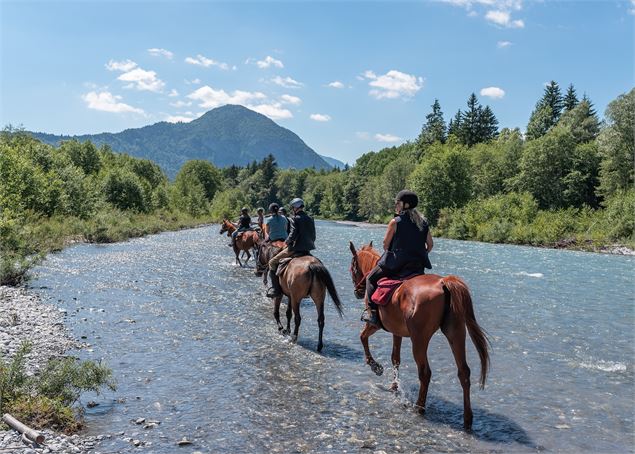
(193, 345)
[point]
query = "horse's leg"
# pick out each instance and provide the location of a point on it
(454, 330)
(294, 302)
(368, 331)
(276, 314)
(396, 360)
(318, 295)
(237, 252)
(420, 351)
(289, 311)
(248, 257)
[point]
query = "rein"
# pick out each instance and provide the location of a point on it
(361, 284)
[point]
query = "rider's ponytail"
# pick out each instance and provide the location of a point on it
(416, 217)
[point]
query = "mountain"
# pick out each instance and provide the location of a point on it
(333, 162)
(226, 135)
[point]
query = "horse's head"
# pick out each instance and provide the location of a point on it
(226, 226)
(362, 262)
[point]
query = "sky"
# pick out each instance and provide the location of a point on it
(347, 77)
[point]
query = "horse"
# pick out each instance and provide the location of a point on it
(266, 251)
(303, 277)
(417, 309)
(245, 241)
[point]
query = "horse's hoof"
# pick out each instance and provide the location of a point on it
(319, 347)
(294, 338)
(394, 387)
(421, 410)
(377, 368)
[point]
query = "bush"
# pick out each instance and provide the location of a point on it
(123, 190)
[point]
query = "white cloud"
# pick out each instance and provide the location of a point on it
(269, 61)
(393, 84)
(179, 119)
(161, 53)
(193, 81)
(499, 11)
(387, 138)
(173, 93)
(125, 65)
(286, 82)
(275, 111)
(107, 102)
(336, 84)
(178, 104)
(210, 98)
(142, 80)
(288, 99)
(493, 92)
(200, 60)
(503, 44)
(503, 18)
(320, 117)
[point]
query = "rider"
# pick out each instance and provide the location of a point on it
(301, 240)
(407, 244)
(244, 223)
(261, 218)
(275, 226)
(283, 211)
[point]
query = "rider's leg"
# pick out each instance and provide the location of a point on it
(276, 290)
(371, 284)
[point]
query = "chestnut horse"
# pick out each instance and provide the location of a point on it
(266, 251)
(303, 277)
(417, 309)
(245, 241)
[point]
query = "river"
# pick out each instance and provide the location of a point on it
(193, 345)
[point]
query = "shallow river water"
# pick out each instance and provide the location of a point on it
(193, 345)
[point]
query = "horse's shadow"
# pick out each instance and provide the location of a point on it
(487, 426)
(332, 349)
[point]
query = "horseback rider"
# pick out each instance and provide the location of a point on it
(275, 225)
(300, 241)
(283, 211)
(244, 223)
(261, 218)
(407, 244)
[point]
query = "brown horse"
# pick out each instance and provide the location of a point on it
(418, 308)
(266, 251)
(303, 277)
(245, 241)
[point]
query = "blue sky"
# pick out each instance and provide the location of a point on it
(347, 77)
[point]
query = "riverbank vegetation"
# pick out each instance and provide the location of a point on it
(47, 399)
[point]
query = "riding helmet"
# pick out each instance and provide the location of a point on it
(297, 203)
(244, 210)
(408, 197)
(274, 207)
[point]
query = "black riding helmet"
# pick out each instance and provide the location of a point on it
(244, 210)
(274, 207)
(407, 197)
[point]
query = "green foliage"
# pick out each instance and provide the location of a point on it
(124, 190)
(442, 179)
(45, 400)
(227, 203)
(434, 129)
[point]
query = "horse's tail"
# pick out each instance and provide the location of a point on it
(319, 272)
(461, 305)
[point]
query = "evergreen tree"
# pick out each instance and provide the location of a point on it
(469, 130)
(582, 121)
(487, 125)
(552, 97)
(539, 122)
(570, 99)
(434, 129)
(455, 124)
(547, 112)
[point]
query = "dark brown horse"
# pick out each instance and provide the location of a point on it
(417, 310)
(245, 241)
(305, 277)
(266, 251)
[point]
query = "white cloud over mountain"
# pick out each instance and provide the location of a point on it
(107, 102)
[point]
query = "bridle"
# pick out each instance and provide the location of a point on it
(361, 284)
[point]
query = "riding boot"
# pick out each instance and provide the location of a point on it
(370, 316)
(275, 290)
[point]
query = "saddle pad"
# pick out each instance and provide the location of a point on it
(279, 244)
(386, 287)
(284, 262)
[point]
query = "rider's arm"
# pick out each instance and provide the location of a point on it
(293, 234)
(390, 232)
(265, 229)
(429, 242)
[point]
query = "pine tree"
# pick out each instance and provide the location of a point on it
(570, 99)
(487, 125)
(539, 122)
(552, 97)
(455, 124)
(469, 130)
(434, 129)
(546, 113)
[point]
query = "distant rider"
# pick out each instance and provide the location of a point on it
(244, 223)
(407, 244)
(300, 241)
(275, 225)
(261, 218)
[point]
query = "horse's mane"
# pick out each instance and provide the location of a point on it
(367, 257)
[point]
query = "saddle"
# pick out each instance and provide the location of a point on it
(285, 262)
(387, 286)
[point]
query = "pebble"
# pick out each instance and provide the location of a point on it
(23, 316)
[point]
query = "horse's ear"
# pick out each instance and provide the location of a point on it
(371, 244)
(352, 246)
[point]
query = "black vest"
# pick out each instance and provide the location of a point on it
(409, 243)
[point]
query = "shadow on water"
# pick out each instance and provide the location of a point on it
(488, 426)
(331, 348)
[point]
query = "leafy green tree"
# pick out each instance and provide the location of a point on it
(582, 121)
(539, 122)
(83, 155)
(203, 172)
(227, 203)
(124, 190)
(617, 146)
(442, 179)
